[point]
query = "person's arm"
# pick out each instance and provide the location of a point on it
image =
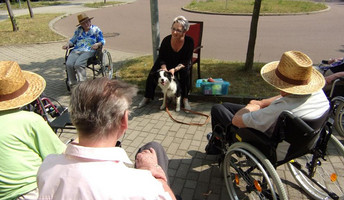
(329, 79)
(177, 68)
(96, 45)
(254, 105)
(265, 102)
(147, 159)
(164, 53)
(237, 118)
(100, 39)
(73, 40)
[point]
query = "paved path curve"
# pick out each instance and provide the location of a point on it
(225, 37)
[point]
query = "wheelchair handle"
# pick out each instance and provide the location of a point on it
(341, 79)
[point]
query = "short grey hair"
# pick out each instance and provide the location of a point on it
(183, 21)
(98, 106)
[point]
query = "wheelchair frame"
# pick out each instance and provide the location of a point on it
(53, 112)
(249, 163)
(338, 108)
(100, 64)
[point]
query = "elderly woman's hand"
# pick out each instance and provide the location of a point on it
(173, 70)
(65, 47)
(96, 46)
(147, 159)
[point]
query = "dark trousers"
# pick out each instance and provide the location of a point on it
(222, 114)
(182, 75)
(161, 154)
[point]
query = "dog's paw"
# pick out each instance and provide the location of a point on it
(177, 109)
(162, 107)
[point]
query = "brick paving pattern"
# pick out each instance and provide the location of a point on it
(193, 174)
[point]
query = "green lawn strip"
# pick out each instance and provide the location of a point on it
(246, 6)
(242, 83)
(31, 30)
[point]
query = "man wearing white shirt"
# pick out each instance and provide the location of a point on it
(95, 168)
(300, 87)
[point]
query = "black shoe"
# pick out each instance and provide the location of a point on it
(214, 146)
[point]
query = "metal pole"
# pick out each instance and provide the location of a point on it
(155, 27)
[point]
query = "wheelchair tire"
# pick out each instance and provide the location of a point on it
(249, 174)
(333, 163)
(107, 65)
(339, 119)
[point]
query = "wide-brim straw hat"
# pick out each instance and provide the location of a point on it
(83, 17)
(293, 74)
(18, 87)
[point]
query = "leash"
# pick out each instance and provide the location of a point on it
(194, 112)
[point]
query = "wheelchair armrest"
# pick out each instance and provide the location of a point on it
(197, 48)
(299, 123)
(68, 50)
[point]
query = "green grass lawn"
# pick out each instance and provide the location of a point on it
(242, 83)
(246, 6)
(23, 4)
(31, 30)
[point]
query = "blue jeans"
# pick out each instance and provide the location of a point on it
(76, 66)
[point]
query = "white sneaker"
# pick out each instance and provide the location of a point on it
(143, 102)
(186, 104)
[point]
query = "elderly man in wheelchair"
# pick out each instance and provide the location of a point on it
(253, 140)
(86, 40)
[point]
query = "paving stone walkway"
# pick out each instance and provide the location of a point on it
(193, 174)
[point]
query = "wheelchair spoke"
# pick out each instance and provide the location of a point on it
(247, 178)
(327, 181)
(107, 65)
(339, 119)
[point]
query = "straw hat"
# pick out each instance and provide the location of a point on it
(293, 74)
(17, 87)
(83, 17)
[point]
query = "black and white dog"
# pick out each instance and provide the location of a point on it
(170, 87)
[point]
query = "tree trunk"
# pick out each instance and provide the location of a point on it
(154, 11)
(10, 13)
(253, 35)
(29, 7)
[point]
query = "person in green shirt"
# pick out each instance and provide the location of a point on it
(25, 137)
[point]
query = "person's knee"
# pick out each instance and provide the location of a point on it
(216, 109)
(155, 145)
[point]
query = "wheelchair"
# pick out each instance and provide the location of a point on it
(249, 158)
(56, 115)
(100, 64)
(335, 94)
(338, 107)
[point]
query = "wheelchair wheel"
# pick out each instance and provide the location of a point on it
(329, 172)
(250, 175)
(107, 65)
(339, 119)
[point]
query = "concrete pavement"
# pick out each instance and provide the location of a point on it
(225, 37)
(193, 174)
